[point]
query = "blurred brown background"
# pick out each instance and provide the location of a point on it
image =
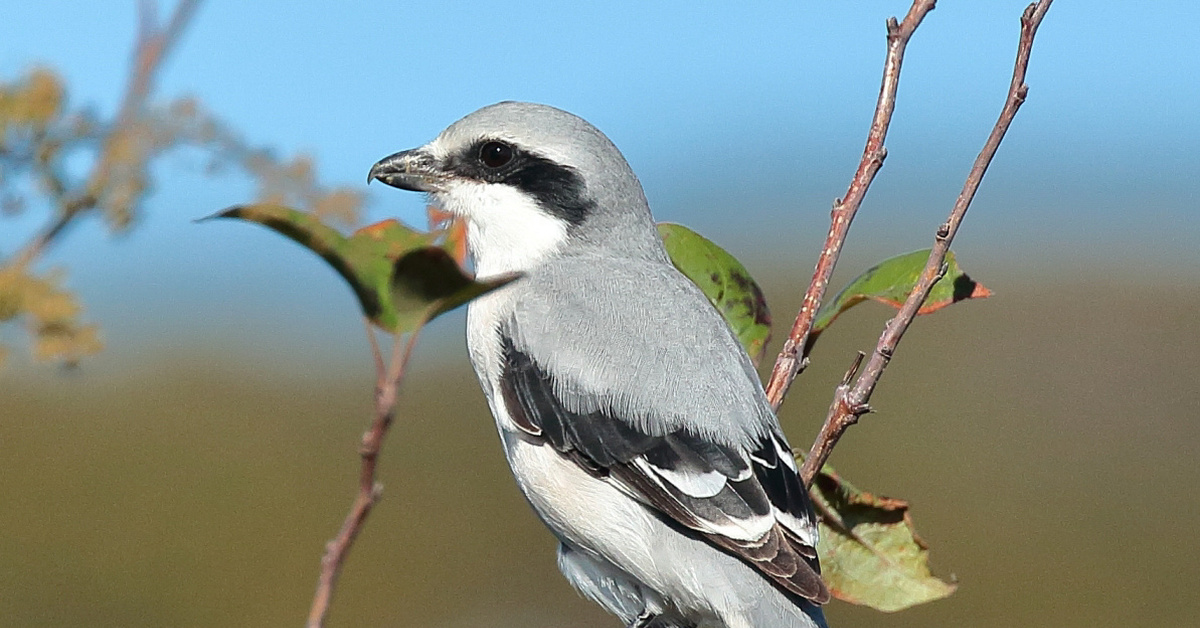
(1045, 437)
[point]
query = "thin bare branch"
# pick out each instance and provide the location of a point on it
(791, 358)
(149, 52)
(850, 402)
(369, 490)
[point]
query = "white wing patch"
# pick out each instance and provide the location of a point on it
(700, 485)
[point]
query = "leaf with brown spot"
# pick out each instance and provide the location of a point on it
(726, 283)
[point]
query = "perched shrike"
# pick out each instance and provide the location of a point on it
(633, 421)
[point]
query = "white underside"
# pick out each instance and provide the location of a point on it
(677, 574)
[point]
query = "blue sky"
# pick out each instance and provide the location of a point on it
(744, 120)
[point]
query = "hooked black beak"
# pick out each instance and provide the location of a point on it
(408, 170)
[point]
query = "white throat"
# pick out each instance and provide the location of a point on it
(507, 231)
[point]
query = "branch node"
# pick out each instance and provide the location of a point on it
(1027, 16)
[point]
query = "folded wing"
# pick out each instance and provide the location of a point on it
(747, 501)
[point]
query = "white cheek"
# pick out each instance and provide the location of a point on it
(506, 230)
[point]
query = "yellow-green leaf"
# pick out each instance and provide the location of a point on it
(869, 549)
(50, 311)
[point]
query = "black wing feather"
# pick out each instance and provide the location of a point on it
(607, 446)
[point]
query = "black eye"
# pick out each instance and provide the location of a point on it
(495, 154)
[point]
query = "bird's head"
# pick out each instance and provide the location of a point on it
(533, 182)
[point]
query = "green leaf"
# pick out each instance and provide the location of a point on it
(726, 283)
(891, 280)
(427, 282)
(402, 277)
(870, 552)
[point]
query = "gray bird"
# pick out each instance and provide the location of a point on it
(633, 421)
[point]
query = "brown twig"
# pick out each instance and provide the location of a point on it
(152, 48)
(791, 358)
(851, 402)
(387, 384)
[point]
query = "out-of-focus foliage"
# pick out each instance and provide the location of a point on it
(40, 130)
(51, 313)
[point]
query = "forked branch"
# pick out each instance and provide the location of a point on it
(850, 402)
(792, 357)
